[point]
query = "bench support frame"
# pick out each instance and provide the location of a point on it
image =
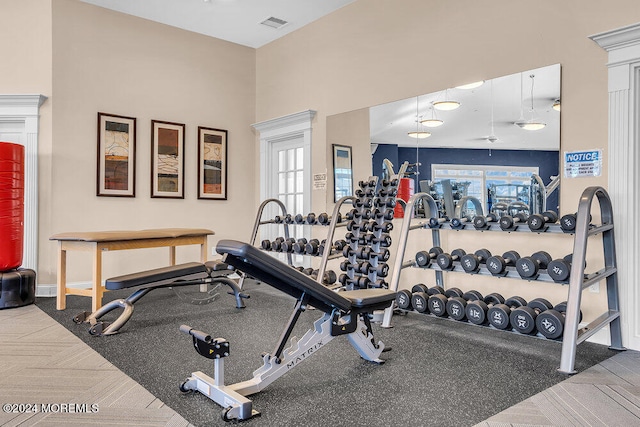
(233, 397)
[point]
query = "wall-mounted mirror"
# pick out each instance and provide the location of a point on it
(484, 146)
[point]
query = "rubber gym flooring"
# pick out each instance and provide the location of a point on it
(439, 372)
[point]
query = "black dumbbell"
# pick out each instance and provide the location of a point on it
(360, 282)
(499, 314)
(459, 223)
(445, 261)
(437, 222)
(560, 269)
(276, 245)
(384, 240)
(550, 323)
(328, 278)
(266, 244)
(386, 214)
(279, 219)
(403, 299)
(424, 258)
(300, 246)
(312, 247)
(529, 266)
(386, 226)
(481, 222)
(353, 214)
(477, 311)
(438, 301)
(568, 223)
(523, 319)
(536, 222)
(311, 218)
(383, 255)
(420, 294)
(471, 262)
(510, 222)
(299, 219)
(288, 219)
(287, 245)
(497, 265)
(456, 305)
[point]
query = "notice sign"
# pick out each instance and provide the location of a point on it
(320, 181)
(582, 163)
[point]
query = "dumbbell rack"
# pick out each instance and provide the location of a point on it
(578, 281)
(327, 253)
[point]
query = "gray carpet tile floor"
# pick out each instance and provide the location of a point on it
(43, 362)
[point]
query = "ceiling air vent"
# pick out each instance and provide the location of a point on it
(274, 22)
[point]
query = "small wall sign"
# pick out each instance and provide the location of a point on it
(582, 163)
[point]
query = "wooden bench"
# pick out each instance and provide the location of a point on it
(101, 241)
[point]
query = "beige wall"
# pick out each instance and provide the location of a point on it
(376, 51)
(25, 68)
(105, 61)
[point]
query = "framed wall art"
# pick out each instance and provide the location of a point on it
(212, 163)
(116, 172)
(342, 172)
(167, 159)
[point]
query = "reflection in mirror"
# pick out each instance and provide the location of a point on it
(501, 145)
(342, 172)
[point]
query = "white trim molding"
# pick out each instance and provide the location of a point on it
(623, 47)
(296, 125)
(25, 109)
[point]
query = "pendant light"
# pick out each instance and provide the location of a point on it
(447, 104)
(433, 122)
(556, 105)
(533, 123)
(419, 133)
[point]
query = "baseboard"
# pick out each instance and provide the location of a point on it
(48, 290)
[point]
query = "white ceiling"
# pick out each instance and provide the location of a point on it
(237, 21)
(469, 125)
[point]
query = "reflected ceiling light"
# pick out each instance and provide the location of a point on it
(471, 85)
(447, 104)
(419, 134)
(533, 123)
(433, 122)
(556, 105)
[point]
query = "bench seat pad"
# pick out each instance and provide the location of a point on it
(151, 277)
(280, 275)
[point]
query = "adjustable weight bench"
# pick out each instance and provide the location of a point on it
(191, 273)
(345, 313)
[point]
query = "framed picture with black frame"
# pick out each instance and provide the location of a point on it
(342, 172)
(212, 163)
(167, 159)
(116, 171)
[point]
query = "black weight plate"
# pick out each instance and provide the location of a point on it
(494, 298)
(498, 316)
(568, 222)
(496, 264)
(562, 308)
(453, 292)
(438, 305)
(470, 263)
(523, 320)
(455, 308)
(403, 299)
(527, 267)
(506, 222)
(483, 254)
(542, 257)
(550, 324)
(513, 256)
(559, 270)
(472, 295)
(479, 221)
(420, 287)
(436, 290)
(423, 259)
(436, 250)
(444, 261)
(419, 302)
(515, 301)
(476, 312)
(540, 304)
